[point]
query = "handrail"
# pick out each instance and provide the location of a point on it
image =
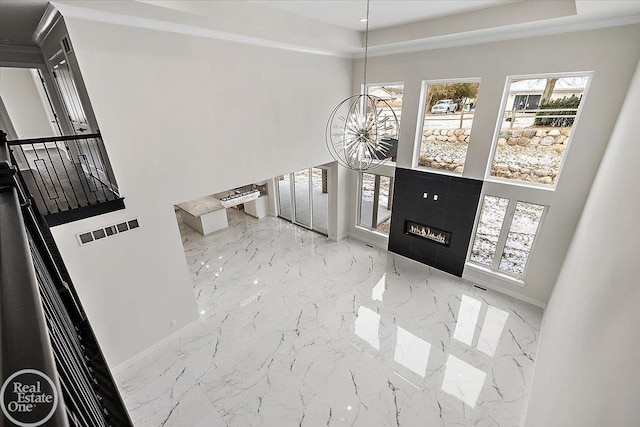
(21, 308)
(42, 324)
(53, 139)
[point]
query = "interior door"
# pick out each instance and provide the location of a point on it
(89, 153)
(70, 97)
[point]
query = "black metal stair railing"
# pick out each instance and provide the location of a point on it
(43, 328)
(69, 177)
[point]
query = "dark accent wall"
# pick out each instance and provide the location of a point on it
(454, 212)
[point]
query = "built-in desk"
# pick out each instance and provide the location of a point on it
(204, 215)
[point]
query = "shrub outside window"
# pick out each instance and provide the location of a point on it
(539, 114)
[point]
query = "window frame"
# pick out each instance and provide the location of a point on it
(359, 201)
(364, 89)
(417, 145)
(496, 135)
(494, 268)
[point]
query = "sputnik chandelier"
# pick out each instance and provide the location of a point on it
(362, 131)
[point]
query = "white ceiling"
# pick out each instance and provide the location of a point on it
(382, 13)
(333, 26)
(18, 20)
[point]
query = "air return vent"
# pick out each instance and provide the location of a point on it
(111, 230)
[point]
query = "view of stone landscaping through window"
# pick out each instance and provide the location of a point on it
(523, 221)
(538, 118)
(448, 116)
(375, 202)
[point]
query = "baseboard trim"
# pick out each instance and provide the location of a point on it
(507, 292)
(499, 283)
(147, 351)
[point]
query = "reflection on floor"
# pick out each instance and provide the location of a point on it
(298, 330)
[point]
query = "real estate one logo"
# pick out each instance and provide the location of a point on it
(28, 398)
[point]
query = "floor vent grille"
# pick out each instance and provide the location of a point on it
(111, 230)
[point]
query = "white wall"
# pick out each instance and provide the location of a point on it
(24, 104)
(610, 53)
(183, 117)
(587, 370)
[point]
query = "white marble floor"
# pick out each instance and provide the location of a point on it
(297, 330)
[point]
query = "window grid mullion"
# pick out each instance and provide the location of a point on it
(504, 232)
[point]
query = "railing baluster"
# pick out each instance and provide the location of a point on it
(50, 180)
(62, 162)
(61, 184)
(35, 181)
(100, 146)
(55, 171)
(80, 175)
(96, 168)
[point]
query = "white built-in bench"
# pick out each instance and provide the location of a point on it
(204, 215)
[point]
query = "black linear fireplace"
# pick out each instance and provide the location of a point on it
(426, 232)
(433, 218)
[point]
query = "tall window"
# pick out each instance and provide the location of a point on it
(376, 194)
(448, 108)
(505, 234)
(391, 93)
(539, 115)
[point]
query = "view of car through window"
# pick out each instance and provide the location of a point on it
(444, 106)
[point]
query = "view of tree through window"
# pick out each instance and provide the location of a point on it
(539, 115)
(448, 116)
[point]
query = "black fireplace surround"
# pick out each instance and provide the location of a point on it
(441, 228)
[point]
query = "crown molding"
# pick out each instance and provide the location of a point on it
(47, 22)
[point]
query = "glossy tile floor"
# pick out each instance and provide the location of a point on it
(297, 330)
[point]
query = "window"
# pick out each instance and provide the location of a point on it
(392, 94)
(505, 234)
(444, 134)
(539, 114)
(488, 231)
(376, 193)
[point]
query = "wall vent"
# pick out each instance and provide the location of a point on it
(111, 230)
